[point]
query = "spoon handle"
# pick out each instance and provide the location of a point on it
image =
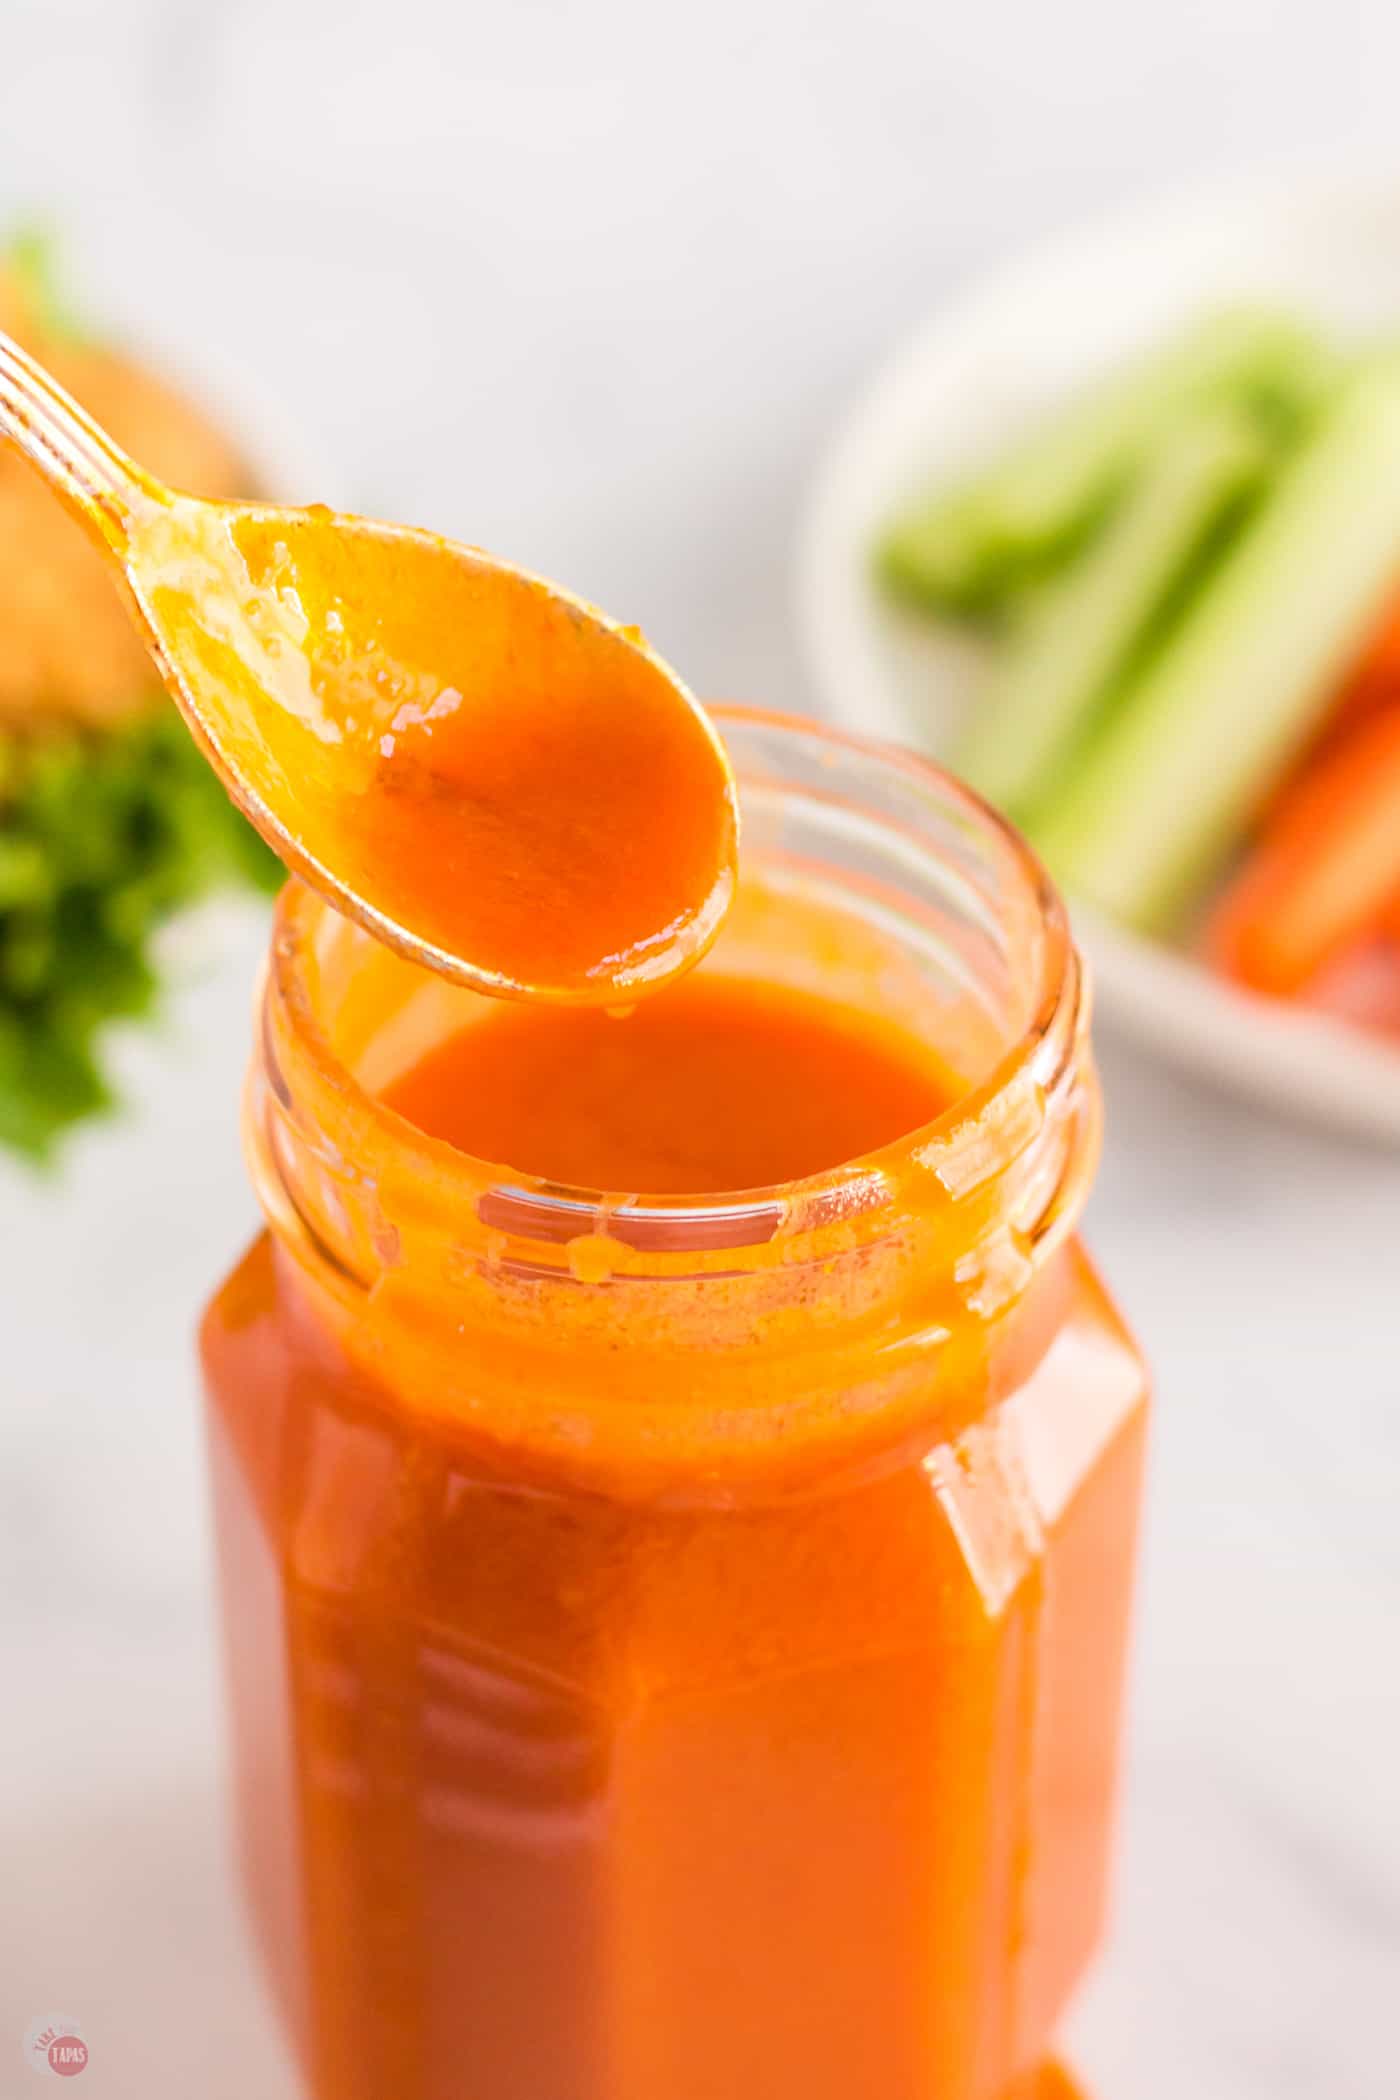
(100, 485)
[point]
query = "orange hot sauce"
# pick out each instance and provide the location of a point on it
(714, 1083)
(519, 783)
(676, 1633)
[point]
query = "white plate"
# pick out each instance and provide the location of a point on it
(991, 363)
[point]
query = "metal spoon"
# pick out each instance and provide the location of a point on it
(487, 773)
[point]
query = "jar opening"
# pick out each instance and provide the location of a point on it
(640, 1336)
(959, 926)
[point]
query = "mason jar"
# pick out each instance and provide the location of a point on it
(675, 1646)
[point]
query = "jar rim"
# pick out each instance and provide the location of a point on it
(533, 1207)
(641, 1340)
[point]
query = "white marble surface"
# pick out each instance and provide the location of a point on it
(611, 273)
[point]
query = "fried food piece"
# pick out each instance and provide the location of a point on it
(68, 650)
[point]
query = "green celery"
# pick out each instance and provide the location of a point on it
(1059, 669)
(971, 548)
(1188, 757)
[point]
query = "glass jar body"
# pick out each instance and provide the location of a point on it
(677, 1649)
(542, 1794)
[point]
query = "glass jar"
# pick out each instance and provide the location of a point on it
(676, 1646)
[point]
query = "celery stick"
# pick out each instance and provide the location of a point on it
(1057, 672)
(974, 544)
(1164, 791)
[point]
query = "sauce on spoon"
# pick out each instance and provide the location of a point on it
(487, 773)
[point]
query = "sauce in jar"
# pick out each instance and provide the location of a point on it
(714, 1083)
(677, 1482)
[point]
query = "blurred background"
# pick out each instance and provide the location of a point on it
(593, 287)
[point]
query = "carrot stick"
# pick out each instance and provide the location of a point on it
(1375, 677)
(1325, 869)
(1373, 682)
